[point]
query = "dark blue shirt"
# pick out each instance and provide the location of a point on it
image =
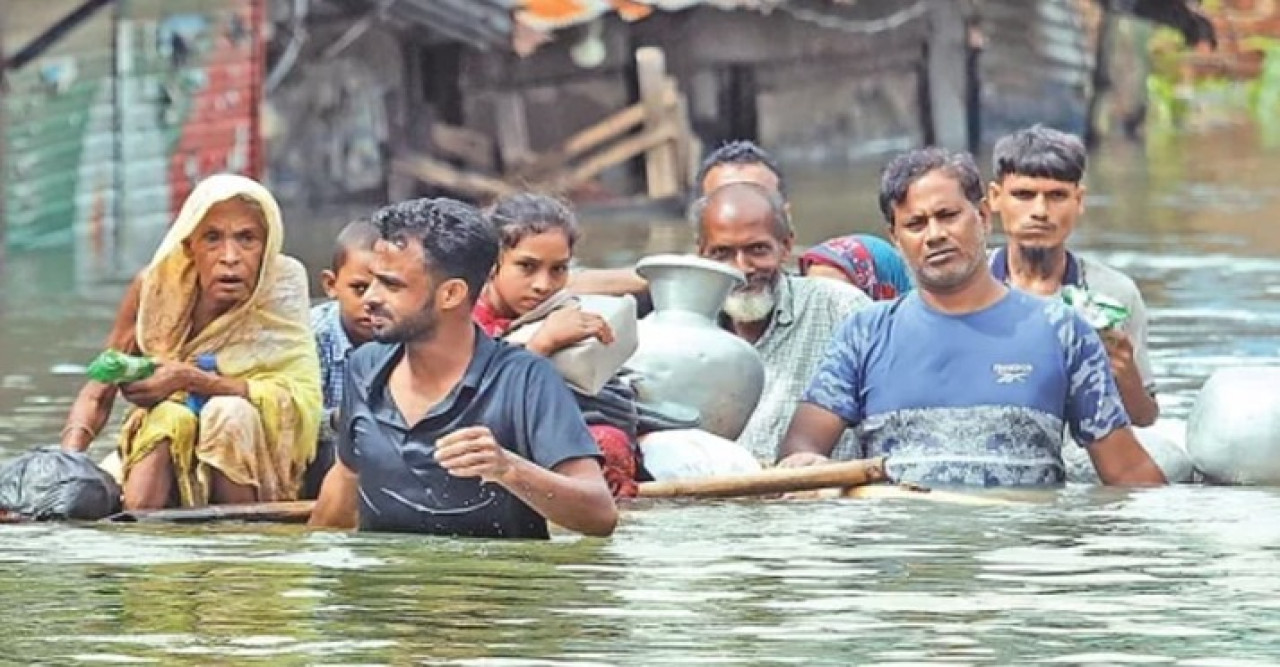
(518, 395)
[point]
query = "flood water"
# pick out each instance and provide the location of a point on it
(1182, 575)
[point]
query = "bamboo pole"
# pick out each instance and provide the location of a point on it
(294, 511)
(771, 481)
(765, 482)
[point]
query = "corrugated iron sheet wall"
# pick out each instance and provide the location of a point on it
(109, 130)
(59, 153)
(1035, 66)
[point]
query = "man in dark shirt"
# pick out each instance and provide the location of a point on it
(444, 430)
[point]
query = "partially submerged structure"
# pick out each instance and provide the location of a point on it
(116, 107)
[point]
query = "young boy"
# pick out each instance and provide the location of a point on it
(340, 325)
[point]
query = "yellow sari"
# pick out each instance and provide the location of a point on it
(267, 441)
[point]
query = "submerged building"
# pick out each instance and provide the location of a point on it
(112, 109)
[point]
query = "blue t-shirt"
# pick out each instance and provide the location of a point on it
(976, 400)
(515, 393)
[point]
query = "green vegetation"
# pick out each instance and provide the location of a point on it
(1179, 101)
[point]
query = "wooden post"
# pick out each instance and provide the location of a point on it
(513, 129)
(660, 161)
(946, 76)
(686, 158)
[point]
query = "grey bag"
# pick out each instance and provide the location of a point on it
(53, 485)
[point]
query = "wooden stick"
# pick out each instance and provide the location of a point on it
(475, 149)
(441, 174)
(620, 152)
(592, 137)
(765, 482)
(604, 131)
(771, 481)
(294, 511)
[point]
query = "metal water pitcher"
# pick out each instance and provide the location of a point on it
(684, 356)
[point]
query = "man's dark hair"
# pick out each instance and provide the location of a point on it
(738, 152)
(457, 241)
(907, 168)
(516, 217)
(1040, 152)
(358, 235)
(782, 229)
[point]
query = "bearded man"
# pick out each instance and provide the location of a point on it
(789, 319)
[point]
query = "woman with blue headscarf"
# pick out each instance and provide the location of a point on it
(867, 262)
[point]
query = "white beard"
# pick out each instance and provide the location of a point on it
(749, 305)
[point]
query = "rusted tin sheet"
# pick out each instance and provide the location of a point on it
(59, 167)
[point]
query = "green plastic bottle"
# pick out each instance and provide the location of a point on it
(1101, 312)
(115, 367)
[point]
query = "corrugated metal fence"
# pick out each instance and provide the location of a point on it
(109, 129)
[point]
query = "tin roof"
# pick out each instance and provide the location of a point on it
(549, 15)
(496, 23)
(483, 24)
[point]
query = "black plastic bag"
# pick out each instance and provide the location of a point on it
(53, 485)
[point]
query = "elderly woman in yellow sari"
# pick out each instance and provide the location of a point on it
(218, 288)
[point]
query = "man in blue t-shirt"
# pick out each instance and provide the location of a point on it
(963, 381)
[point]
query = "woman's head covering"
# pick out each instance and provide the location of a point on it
(869, 262)
(170, 289)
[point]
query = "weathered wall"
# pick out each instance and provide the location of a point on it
(809, 92)
(833, 91)
(4, 19)
(330, 119)
(109, 129)
(189, 77)
(1035, 66)
(559, 97)
(60, 153)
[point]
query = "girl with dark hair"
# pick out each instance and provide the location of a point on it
(538, 234)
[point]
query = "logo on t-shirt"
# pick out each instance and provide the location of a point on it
(1011, 373)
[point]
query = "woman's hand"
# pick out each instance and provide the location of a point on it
(568, 326)
(169, 379)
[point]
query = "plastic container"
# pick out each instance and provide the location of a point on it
(116, 367)
(588, 365)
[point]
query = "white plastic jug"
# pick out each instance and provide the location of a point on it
(588, 365)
